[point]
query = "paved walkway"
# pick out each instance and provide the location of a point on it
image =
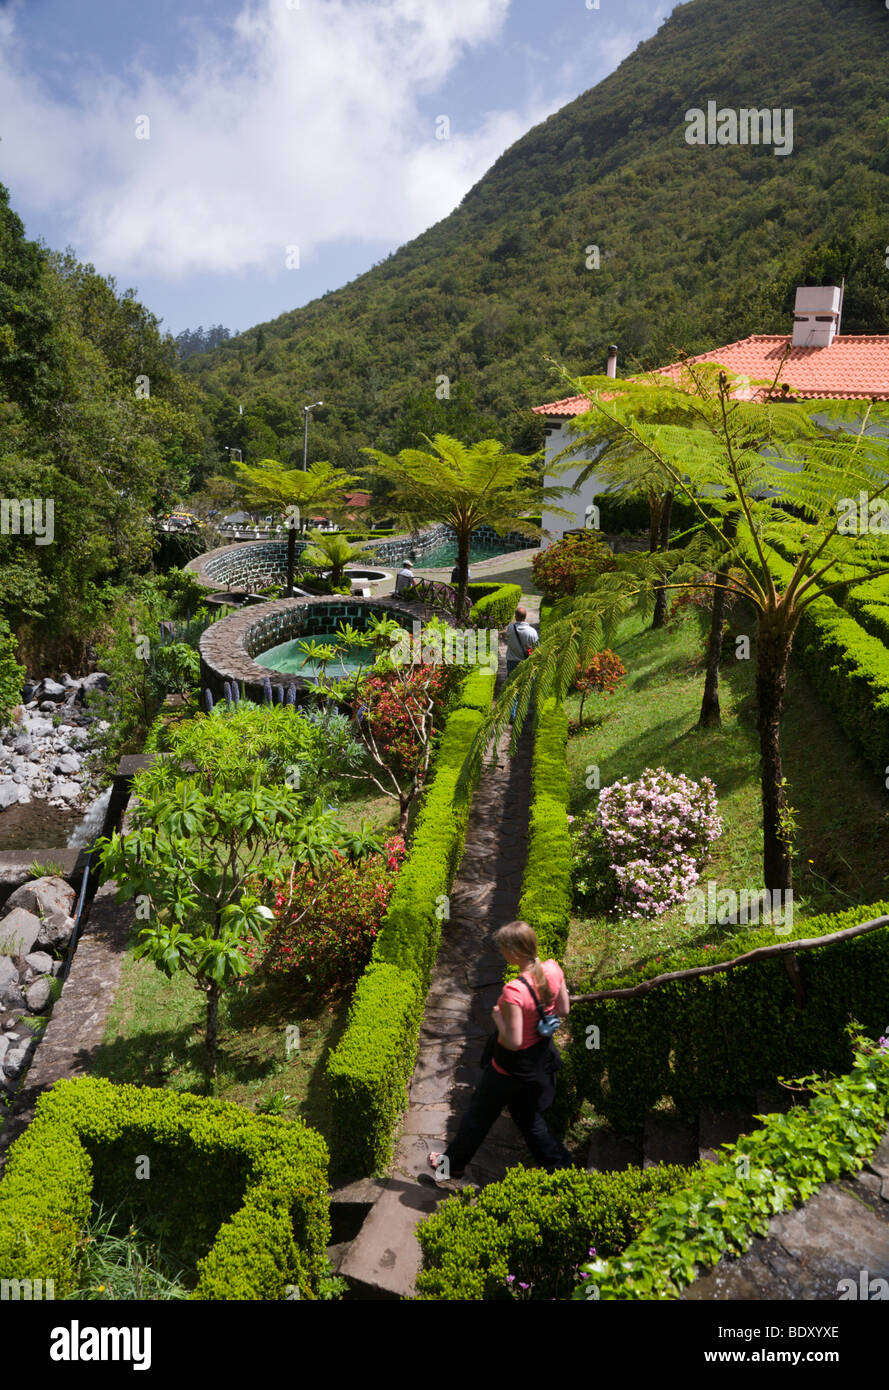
(466, 982)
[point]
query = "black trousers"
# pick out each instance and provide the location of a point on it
(526, 1098)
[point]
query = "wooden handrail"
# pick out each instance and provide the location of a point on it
(783, 948)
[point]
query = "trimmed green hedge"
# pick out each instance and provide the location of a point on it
(713, 1039)
(851, 668)
(538, 1227)
(493, 604)
(546, 886)
(370, 1068)
(249, 1190)
(723, 1205)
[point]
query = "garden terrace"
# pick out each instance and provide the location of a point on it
(228, 647)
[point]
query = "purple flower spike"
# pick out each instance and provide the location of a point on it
(208, 700)
(227, 692)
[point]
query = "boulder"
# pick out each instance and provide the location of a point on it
(56, 930)
(69, 682)
(24, 795)
(68, 763)
(39, 961)
(9, 794)
(38, 995)
(44, 895)
(11, 996)
(22, 744)
(4, 1048)
(99, 680)
(8, 971)
(19, 930)
(28, 690)
(15, 1061)
(64, 791)
(51, 690)
(48, 706)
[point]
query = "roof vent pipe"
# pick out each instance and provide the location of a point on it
(611, 364)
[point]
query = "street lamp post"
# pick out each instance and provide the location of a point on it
(306, 409)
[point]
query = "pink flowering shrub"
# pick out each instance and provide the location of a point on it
(643, 846)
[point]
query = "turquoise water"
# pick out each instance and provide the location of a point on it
(288, 658)
(445, 556)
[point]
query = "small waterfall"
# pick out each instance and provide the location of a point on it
(91, 825)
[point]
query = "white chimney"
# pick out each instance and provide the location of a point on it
(611, 364)
(816, 316)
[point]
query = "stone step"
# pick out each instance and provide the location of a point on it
(718, 1127)
(384, 1259)
(612, 1153)
(668, 1139)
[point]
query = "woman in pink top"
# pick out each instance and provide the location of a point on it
(520, 1074)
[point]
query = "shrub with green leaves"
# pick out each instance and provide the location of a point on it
(723, 1205)
(528, 1234)
(493, 604)
(12, 675)
(245, 1196)
(546, 886)
(369, 1069)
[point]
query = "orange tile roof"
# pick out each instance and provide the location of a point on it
(855, 367)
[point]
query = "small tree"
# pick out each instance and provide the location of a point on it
(603, 674)
(466, 486)
(198, 846)
(331, 551)
(292, 492)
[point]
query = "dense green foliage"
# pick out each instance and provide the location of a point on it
(725, 1204)
(245, 1196)
(714, 1039)
(12, 674)
(526, 1236)
(493, 604)
(369, 1069)
(96, 419)
(698, 245)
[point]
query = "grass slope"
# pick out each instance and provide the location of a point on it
(840, 805)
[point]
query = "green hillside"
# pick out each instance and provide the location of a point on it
(698, 244)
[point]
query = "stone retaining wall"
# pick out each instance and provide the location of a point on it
(259, 564)
(228, 647)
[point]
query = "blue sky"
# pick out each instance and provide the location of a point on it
(289, 145)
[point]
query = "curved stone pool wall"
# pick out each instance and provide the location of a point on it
(228, 647)
(259, 564)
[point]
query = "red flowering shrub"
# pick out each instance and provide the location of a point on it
(323, 935)
(558, 570)
(604, 674)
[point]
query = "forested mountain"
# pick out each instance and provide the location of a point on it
(96, 422)
(698, 244)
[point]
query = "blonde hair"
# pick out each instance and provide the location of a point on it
(519, 938)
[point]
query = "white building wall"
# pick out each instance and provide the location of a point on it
(579, 498)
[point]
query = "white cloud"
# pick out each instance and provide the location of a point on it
(292, 126)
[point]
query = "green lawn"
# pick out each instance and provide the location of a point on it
(842, 809)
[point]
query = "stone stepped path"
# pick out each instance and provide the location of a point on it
(384, 1259)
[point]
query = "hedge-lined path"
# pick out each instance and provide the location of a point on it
(466, 981)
